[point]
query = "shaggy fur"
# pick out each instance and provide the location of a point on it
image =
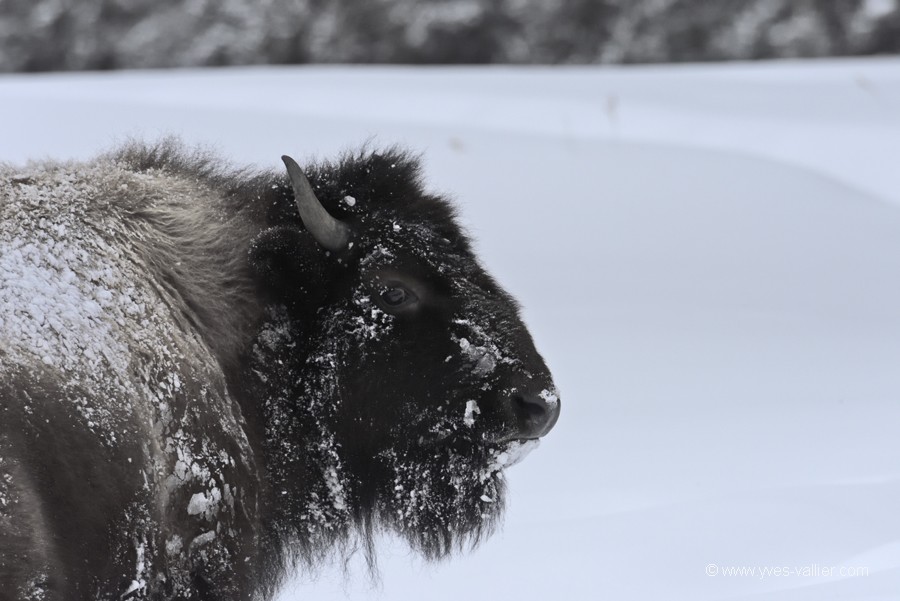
(195, 397)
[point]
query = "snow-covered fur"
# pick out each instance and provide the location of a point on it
(195, 397)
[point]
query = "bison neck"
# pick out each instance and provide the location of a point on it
(195, 247)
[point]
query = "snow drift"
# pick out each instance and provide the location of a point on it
(708, 259)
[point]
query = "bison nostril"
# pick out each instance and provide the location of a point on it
(531, 409)
(534, 413)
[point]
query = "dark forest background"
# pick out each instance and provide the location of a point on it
(41, 35)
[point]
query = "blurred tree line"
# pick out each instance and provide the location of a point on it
(39, 35)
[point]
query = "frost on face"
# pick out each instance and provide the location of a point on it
(513, 453)
(469, 415)
(366, 321)
(380, 254)
(480, 357)
(550, 396)
(479, 348)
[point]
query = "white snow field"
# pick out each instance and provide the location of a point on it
(709, 260)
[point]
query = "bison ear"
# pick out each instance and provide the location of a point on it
(333, 234)
(289, 264)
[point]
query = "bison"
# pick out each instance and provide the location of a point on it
(210, 376)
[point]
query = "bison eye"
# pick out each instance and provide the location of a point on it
(394, 294)
(397, 296)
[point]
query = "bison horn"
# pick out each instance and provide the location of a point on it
(333, 234)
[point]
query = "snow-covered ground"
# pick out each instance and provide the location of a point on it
(709, 259)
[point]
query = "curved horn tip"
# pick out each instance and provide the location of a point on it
(293, 169)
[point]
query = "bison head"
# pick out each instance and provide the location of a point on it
(400, 379)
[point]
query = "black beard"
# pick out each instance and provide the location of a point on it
(441, 497)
